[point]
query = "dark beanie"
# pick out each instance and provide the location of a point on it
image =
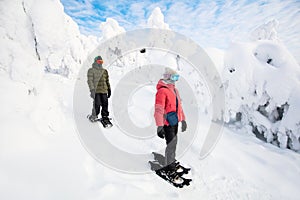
(98, 58)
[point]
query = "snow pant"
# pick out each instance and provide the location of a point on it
(100, 100)
(171, 140)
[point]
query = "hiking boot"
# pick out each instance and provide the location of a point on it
(93, 118)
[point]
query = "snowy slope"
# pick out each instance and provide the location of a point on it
(46, 165)
(41, 156)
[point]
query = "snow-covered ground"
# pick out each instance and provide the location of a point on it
(42, 157)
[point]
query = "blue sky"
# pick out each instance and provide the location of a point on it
(209, 23)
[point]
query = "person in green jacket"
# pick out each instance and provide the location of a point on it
(98, 81)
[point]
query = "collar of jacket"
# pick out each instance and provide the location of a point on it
(168, 82)
(162, 83)
(97, 66)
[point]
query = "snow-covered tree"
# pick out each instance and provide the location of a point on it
(261, 81)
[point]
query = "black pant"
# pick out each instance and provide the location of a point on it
(171, 140)
(100, 100)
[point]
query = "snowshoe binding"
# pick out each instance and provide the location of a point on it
(172, 177)
(105, 121)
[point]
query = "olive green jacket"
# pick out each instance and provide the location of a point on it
(98, 79)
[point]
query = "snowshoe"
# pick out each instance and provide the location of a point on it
(106, 123)
(92, 118)
(172, 177)
(179, 168)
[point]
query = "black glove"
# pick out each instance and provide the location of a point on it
(183, 125)
(92, 94)
(108, 93)
(161, 132)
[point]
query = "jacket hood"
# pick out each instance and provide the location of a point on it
(161, 83)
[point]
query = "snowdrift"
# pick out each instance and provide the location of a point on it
(261, 81)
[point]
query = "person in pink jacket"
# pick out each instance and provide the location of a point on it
(168, 112)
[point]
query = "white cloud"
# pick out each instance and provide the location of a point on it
(216, 25)
(79, 8)
(210, 23)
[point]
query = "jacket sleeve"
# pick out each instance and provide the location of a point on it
(181, 115)
(107, 79)
(90, 81)
(160, 100)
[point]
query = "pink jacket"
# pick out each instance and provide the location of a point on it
(165, 102)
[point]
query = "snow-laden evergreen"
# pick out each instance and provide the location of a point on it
(110, 28)
(157, 20)
(262, 85)
(38, 36)
(267, 31)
